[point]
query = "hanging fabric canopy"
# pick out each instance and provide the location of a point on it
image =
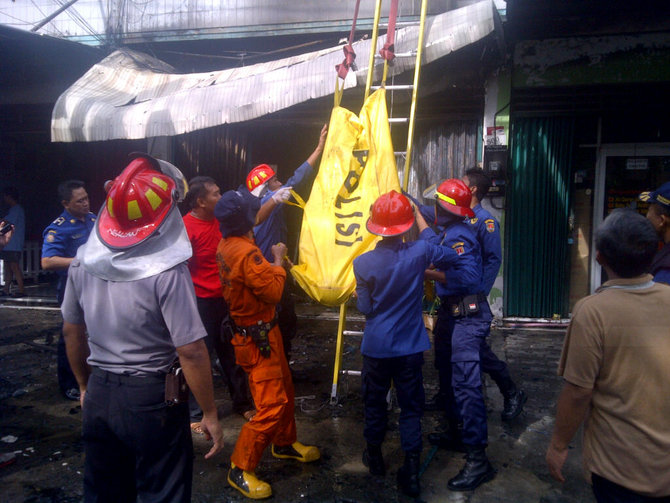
(130, 95)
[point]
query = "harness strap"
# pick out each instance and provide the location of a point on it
(388, 51)
(349, 54)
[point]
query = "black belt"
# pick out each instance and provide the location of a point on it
(149, 378)
(459, 306)
(258, 326)
(454, 299)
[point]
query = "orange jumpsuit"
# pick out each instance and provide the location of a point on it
(252, 288)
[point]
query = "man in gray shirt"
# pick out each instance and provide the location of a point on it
(129, 311)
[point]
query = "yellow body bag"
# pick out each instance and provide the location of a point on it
(358, 165)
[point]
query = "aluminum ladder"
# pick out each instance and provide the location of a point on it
(407, 155)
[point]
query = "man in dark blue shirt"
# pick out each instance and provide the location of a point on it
(389, 288)
(487, 230)
(273, 229)
(462, 324)
(62, 238)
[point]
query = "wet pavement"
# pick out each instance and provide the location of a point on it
(43, 429)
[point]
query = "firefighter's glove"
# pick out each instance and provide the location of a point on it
(282, 195)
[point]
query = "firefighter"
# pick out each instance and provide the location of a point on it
(659, 216)
(252, 287)
(389, 287)
(487, 230)
(462, 324)
(262, 181)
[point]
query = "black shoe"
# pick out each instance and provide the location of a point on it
(373, 459)
(475, 472)
(513, 405)
(408, 475)
(437, 403)
(447, 440)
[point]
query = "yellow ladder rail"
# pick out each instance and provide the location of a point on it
(415, 91)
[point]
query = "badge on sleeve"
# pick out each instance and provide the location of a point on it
(51, 237)
(459, 247)
(490, 225)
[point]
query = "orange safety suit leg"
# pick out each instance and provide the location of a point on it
(272, 390)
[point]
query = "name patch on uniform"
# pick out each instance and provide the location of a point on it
(490, 225)
(459, 247)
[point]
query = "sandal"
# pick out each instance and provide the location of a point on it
(197, 428)
(249, 414)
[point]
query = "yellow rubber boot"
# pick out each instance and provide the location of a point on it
(301, 452)
(248, 484)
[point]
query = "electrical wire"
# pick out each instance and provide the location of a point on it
(81, 21)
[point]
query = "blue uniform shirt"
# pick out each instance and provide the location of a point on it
(273, 230)
(63, 237)
(465, 277)
(389, 285)
(487, 230)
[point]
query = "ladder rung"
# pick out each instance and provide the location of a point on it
(398, 119)
(350, 372)
(352, 332)
(411, 54)
(402, 87)
(400, 23)
(400, 154)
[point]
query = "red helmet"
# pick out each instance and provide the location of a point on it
(390, 215)
(137, 203)
(454, 196)
(258, 177)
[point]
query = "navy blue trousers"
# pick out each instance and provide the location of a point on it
(137, 447)
(407, 376)
(458, 342)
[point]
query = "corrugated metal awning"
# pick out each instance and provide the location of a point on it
(130, 95)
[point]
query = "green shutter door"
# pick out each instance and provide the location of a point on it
(538, 205)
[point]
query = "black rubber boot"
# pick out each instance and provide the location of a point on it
(408, 475)
(475, 472)
(451, 439)
(513, 405)
(373, 459)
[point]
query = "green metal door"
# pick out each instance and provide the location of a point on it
(538, 205)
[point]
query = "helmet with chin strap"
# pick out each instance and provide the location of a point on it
(455, 197)
(258, 178)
